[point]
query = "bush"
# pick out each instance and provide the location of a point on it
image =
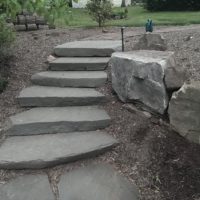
(122, 14)
(6, 39)
(100, 10)
(172, 5)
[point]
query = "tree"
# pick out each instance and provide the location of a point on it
(100, 10)
(55, 9)
(123, 5)
(172, 5)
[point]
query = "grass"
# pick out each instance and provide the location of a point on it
(137, 16)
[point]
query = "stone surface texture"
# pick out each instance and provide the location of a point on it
(70, 78)
(96, 182)
(43, 96)
(98, 48)
(151, 41)
(42, 151)
(143, 76)
(184, 111)
(29, 187)
(57, 120)
(79, 64)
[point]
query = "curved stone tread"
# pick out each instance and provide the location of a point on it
(98, 48)
(79, 64)
(42, 96)
(40, 151)
(44, 120)
(70, 78)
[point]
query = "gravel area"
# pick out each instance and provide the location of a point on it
(161, 163)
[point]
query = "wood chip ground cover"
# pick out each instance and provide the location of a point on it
(163, 165)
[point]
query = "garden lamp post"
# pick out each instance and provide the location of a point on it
(122, 34)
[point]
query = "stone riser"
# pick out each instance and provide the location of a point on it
(60, 102)
(63, 79)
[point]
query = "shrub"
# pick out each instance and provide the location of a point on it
(172, 5)
(100, 10)
(6, 39)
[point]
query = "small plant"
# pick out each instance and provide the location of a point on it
(6, 39)
(55, 9)
(100, 10)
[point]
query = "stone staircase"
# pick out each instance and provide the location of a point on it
(65, 119)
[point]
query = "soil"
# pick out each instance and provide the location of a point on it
(158, 160)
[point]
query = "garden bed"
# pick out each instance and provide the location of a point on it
(163, 165)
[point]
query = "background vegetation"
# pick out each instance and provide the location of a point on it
(136, 16)
(172, 5)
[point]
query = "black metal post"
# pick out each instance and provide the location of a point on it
(122, 32)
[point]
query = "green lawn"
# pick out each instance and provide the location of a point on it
(137, 16)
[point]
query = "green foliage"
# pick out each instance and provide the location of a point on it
(172, 5)
(55, 9)
(100, 10)
(9, 8)
(120, 14)
(6, 39)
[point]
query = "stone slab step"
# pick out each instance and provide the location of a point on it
(98, 48)
(70, 78)
(44, 120)
(40, 151)
(42, 96)
(96, 182)
(27, 187)
(79, 64)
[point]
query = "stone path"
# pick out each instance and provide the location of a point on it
(63, 125)
(59, 106)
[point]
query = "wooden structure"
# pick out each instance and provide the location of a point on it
(26, 19)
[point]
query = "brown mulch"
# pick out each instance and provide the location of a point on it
(161, 163)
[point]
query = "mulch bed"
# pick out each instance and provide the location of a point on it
(159, 161)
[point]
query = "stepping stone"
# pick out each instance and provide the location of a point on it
(57, 120)
(70, 78)
(53, 96)
(96, 182)
(79, 64)
(98, 48)
(40, 151)
(27, 187)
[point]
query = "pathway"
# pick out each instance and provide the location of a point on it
(64, 124)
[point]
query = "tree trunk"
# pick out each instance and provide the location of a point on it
(123, 3)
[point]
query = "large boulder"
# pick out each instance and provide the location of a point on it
(184, 111)
(143, 76)
(151, 41)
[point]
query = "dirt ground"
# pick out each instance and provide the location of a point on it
(161, 163)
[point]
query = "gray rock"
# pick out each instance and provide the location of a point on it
(41, 96)
(70, 78)
(27, 187)
(79, 64)
(98, 48)
(138, 76)
(57, 120)
(96, 182)
(145, 76)
(174, 77)
(184, 111)
(40, 151)
(151, 41)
